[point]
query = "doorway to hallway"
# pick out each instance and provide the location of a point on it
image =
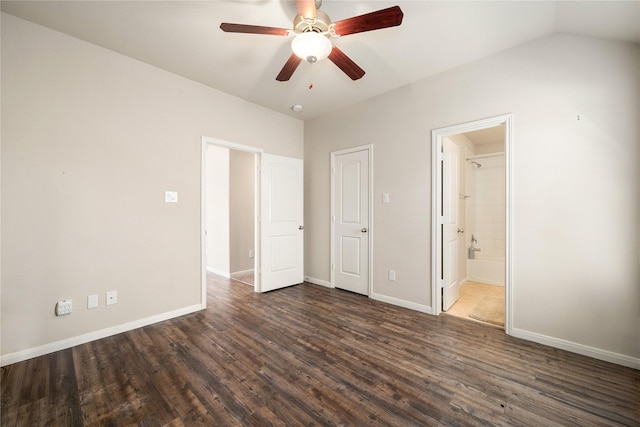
(278, 237)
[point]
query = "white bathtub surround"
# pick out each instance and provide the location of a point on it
(486, 271)
(486, 206)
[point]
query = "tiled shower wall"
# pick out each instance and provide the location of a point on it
(486, 213)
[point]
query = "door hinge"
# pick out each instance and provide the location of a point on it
(333, 171)
(333, 266)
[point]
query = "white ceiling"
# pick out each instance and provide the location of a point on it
(183, 37)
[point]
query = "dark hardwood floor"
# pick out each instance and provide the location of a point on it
(309, 355)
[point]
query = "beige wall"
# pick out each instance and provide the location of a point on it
(90, 141)
(576, 185)
(241, 209)
(230, 199)
(217, 210)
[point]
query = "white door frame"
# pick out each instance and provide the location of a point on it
(203, 204)
(334, 154)
(436, 177)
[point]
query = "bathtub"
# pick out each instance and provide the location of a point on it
(486, 271)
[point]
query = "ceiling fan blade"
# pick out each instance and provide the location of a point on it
(289, 67)
(306, 8)
(384, 18)
(345, 63)
(253, 29)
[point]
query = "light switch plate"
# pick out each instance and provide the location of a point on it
(385, 197)
(92, 301)
(171, 196)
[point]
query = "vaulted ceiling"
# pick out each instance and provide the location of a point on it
(184, 37)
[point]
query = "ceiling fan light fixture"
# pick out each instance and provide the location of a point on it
(311, 46)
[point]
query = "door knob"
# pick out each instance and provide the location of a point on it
(301, 227)
(364, 230)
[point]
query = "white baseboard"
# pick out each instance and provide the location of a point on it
(30, 353)
(317, 281)
(402, 303)
(219, 272)
(236, 274)
(596, 353)
(384, 298)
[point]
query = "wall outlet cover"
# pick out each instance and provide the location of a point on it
(112, 297)
(63, 307)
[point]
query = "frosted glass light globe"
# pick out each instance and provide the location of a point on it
(311, 46)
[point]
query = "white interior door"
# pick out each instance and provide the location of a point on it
(281, 222)
(350, 263)
(450, 195)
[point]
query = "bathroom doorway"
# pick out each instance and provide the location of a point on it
(473, 254)
(481, 204)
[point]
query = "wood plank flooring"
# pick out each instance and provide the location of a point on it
(308, 355)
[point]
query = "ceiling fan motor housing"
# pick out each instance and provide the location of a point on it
(320, 24)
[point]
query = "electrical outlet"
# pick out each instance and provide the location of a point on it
(112, 297)
(63, 307)
(92, 301)
(392, 275)
(252, 253)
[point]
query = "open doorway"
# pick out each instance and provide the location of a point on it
(481, 207)
(471, 221)
(230, 213)
(278, 237)
(230, 200)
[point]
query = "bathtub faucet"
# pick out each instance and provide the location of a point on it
(472, 249)
(472, 252)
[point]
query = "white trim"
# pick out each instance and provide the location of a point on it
(334, 154)
(436, 143)
(231, 145)
(219, 272)
(402, 303)
(508, 216)
(241, 273)
(203, 214)
(436, 168)
(315, 281)
(30, 353)
(596, 353)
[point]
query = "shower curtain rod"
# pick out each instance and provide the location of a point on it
(482, 156)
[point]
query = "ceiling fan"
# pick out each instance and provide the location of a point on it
(312, 29)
